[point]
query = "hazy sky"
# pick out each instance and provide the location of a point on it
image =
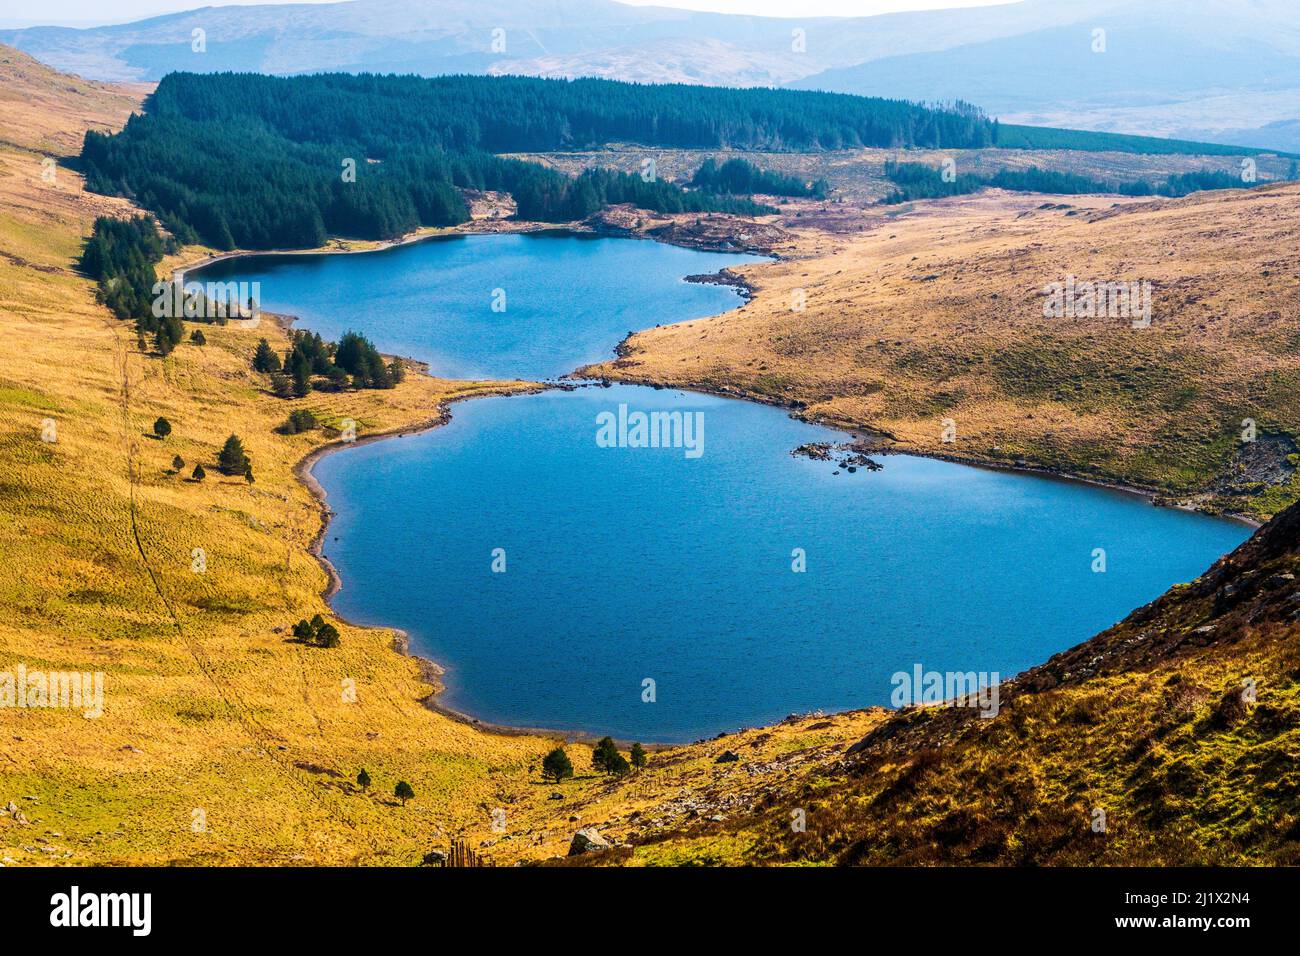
(92, 12)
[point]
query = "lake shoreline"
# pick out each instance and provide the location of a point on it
(430, 670)
(868, 440)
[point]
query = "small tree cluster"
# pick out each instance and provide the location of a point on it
(300, 420)
(607, 759)
(313, 363)
(317, 632)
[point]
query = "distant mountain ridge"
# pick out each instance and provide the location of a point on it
(1214, 70)
(551, 37)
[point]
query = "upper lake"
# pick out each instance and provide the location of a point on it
(561, 300)
(624, 564)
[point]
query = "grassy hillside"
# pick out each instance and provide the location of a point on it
(936, 311)
(208, 705)
(223, 741)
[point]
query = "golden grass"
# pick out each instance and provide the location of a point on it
(936, 311)
(212, 715)
(209, 709)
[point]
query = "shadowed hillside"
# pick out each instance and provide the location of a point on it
(1170, 739)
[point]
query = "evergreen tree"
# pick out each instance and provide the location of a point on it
(178, 463)
(265, 359)
(638, 756)
(606, 758)
(403, 792)
(557, 766)
(199, 474)
(162, 427)
(198, 338)
(232, 460)
(363, 779)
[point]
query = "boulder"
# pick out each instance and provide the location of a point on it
(587, 840)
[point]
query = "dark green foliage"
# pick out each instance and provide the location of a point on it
(557, 766)
(363, 779)
(356, 356)
(638, 756)
(1043, 137)
(232, 460)
(178, 463)
(199, 474)
(120, 255)
(300, 420)
(269, 172)
(403, 792)
(265, 359)
(606, 758)
(921, 181)
(317, 631)
(744, 178)
(198, 338)
(162, 428)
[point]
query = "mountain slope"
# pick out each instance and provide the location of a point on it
(1171, 739)
(1195, 70)
(541, 37)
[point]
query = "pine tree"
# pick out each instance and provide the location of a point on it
(638, 756)
(363, 779)
(162, 428)
(177, 464)
(403, 792)
(557, 766)
(199, 473)
(606, 758)
(265, 359)
(232, 460)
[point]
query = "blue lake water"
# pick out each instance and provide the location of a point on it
(624, 564)
(562, 300)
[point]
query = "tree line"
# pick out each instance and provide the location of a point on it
(120, 256)
(739, 176)
(922, 181)
(258, 162)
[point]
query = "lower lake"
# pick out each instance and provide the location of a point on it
(554, 565)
